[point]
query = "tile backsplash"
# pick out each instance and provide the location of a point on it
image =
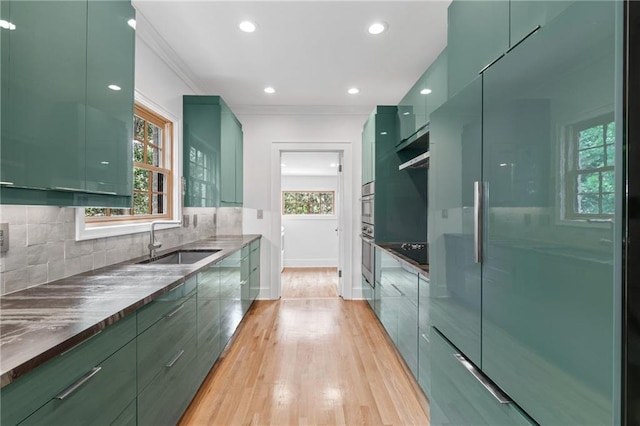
(43, 246)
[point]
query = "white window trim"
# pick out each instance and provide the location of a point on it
(89, 233)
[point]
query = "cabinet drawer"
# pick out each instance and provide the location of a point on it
(161, 341)
(209, 339)
(245, 268)
(254, 284)
(244, 251)
(424, 321)
(166, 397)
(28, 393)
(458, 398)
(128, 416)
(255, 258)
(255, 245)
(209, 283)
(165, 304)
(424, 361)
(104, 391)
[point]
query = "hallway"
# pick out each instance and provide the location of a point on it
(309, 283)
(315, 361)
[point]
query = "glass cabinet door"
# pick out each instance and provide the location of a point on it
(548, 163)
(455, 278)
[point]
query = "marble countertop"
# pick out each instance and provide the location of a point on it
(39, 323)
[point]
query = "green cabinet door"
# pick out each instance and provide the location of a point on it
(230, 295)
(110, 87)
(128, 417)
(526, 15)
(477, 34)
(548, 278)
(239, 164)
(209, 341)
(103, 393)
(390, 297)
(434, 92)
(43, 143)
(245, 278)
(424, 331)
(254, 278)
(406, 283)
(458, 398)
(455, 277)
(227, 156)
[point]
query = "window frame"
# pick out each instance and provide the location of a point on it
(333, 202)
(126, 225)
(572, 170)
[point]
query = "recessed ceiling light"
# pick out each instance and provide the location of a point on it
(353, 91)
(114, 87)
(283, 165)
(377, 28)
(247, 26)
(269, 90)
(333, 165)
(7, 25)
(425, 91)
(503, 164)
(405, 113)
(132, 23)
(106, 163)
(383, 133)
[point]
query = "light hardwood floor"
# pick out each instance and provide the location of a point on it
(322, 361)
(309, 282)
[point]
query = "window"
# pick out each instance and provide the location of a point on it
(590, 177)
(152, 177)
(308, 202)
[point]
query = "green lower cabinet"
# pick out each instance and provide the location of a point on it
(208, 319)
(104, 392)
(129, 417)
(245, 285)
(367, 291)
(424, 361)
(40, 386)
(230, 295)
(161, 342)
(458, 398)
(254, 284)
(167, 396)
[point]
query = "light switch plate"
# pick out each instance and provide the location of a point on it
(4, 237)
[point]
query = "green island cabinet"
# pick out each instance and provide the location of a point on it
(60, 65)
(529, 303)
(145, 368)
(213, 153)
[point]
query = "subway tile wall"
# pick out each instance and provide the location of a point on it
(43, 246)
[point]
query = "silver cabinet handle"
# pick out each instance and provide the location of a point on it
(175, 359)
(477, 220)
(175, 311)
(87, 191)
(424, 336)
(493, 389)
(243, 283)
(81, 381)
(397, 289)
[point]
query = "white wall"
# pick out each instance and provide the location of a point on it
(264, 133)
(310, 240)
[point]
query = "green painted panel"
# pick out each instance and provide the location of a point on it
(526, 15)
(477, 34)
(158, 344)
(36, 388)
(455, 280)
(100, 400)
(165, 399)
(110, 62)
(548, 276)
(458, 398)
(48, 45)
(154, 311)
(128, 417)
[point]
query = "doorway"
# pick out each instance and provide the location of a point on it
(310, 206)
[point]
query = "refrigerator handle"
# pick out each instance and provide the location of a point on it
(478, 199)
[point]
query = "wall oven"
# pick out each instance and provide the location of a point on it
(367, 235)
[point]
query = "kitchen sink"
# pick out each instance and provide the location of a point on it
(179, 257)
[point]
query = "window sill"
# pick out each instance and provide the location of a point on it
(90, 233)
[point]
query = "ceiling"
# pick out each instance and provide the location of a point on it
(309, 163)
(311, 52)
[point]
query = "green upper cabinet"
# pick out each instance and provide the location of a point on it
(478, 34)
(66, 137)
(110, 81)
(527, 15)
(212, 153)
(436, 82)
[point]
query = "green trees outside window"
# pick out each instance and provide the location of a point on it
(308, 202)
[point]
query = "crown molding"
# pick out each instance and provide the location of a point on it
(150, 36)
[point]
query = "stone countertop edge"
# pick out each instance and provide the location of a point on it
(10, 370)
(420, 269)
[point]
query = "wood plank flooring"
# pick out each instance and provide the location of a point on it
(309, 282)
(314, 361)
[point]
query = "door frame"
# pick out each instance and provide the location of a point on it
(345, 214)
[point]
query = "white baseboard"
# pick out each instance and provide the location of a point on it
(310, 263)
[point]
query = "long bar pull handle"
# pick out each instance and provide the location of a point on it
(175, 359)
(493, 390)
(397, 289)
(87, 191)
(175, 311)
(81, 381)
(243, 283)
(477, 220)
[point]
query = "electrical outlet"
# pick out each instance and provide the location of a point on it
(260, 214)
(195, 220)
(185, 220)
(4, 237)
(444, 213)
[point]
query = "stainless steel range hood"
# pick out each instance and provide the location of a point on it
(419, 162)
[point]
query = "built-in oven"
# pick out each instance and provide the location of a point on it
(367, 203)
(368, 253)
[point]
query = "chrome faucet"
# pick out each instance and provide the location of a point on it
(153, 244)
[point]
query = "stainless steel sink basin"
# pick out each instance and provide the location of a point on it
(179, 257)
